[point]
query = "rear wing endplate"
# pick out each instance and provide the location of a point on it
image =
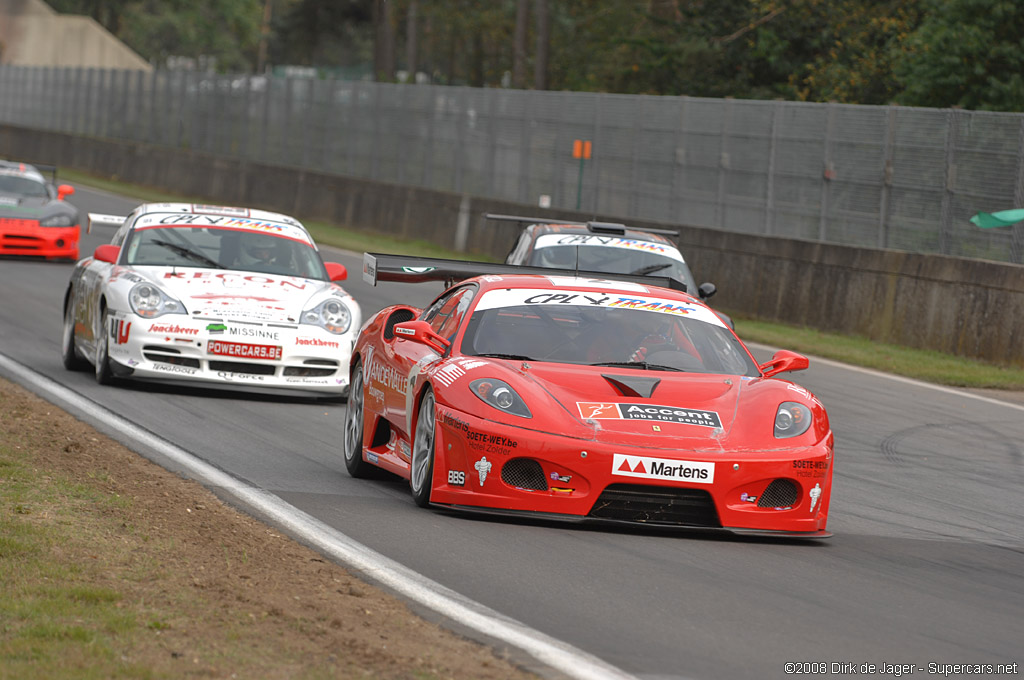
(412, 269)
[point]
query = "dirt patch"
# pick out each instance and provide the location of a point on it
(234, 598)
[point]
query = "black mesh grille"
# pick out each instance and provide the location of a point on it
(398, 316)
(656, 505)
(308, 371)
(524, 473)
(240, 367)
(168, 355)
(781, 493)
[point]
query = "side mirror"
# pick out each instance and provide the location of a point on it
(421, 332)
(336, 271)
(783, 361)
(706, 290)
(64, 190)
(107, 253)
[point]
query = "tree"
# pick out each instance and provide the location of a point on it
(966, 53)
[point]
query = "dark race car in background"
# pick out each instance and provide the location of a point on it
(524, 390)
(605, 247)
(35, 220)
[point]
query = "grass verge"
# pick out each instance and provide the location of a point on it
(924, 365)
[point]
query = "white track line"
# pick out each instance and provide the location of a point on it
(560, 656)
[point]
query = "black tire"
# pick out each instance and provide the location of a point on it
(104, 376)
(353, 435)
(69, 354)
(421, 468)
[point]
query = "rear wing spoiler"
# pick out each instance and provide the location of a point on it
(592, 226)
(412, 269)
(102, 220)
(52, 169)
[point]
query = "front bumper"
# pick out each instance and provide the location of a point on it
(491, 466)
(26, 237)
(249, 355)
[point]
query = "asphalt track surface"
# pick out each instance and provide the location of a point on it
(926, 567)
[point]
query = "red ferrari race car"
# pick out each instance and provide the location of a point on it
(35, 219)
(522, 390)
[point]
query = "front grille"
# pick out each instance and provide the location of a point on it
(656, 505)
(242, 367)
(168, 355)
(524, 473)
(781, 493)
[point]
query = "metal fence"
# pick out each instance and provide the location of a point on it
(877, 176)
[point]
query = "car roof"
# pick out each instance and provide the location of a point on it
(219, 211)
(21, 170)
(538, 230)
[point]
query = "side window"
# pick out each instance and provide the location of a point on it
(122, 231)
(445, 315)
(519, 251)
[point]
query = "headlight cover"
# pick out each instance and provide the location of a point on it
(149, 302)
(791, 420)
(332, 315)
(57, 221)
(500, 395)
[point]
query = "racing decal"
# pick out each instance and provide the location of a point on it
(5, 201)
(480, 441)
(470, 364)
(308, 381)
(417, 270)
(748, 498)
(243, 350)
(456, 478)
(815, 494)
(174, 368)
(233, 279)
(560, 478)
(290, 230)
(247, 332)
(119, 330)
(172, 329)
(482, 467)
(449, 374)
(549, 240)
(594, 410)
(515, 297)
(317, 342)
(231, 376)
(663, 468)
(216, 328)
(810, 468)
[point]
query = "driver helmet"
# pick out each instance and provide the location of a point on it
(259, 248)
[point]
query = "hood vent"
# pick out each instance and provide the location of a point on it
(633, 386)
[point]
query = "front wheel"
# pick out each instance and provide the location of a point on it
(421, 475)
(354, 463)
(73, 361)
(104, 376)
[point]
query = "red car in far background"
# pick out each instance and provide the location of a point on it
(522, 390)
(35, 219)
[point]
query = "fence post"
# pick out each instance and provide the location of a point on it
(525, 138)
(769, 190)
(828, 172)
(946, 217)
(887, 174)
(723, 163)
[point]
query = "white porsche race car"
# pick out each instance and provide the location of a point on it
(211, 295)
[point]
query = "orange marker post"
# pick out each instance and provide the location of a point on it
(581, 150)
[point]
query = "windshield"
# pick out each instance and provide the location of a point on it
(22, 186)
(614, 260)
(217, 248)
(546, 327)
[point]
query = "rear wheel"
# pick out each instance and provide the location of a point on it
(73, 361)
(104, 376)
(354, 463)
(421, 475)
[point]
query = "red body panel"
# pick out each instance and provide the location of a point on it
(26, 237)
(706, 440)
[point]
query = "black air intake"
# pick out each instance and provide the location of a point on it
(781, 493)
(656, 505)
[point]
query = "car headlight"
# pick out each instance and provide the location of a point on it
(791, 420)
(57, 221)
(332, 315)
(501, 396)
(149, 302)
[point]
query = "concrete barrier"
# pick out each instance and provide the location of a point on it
(969, 308)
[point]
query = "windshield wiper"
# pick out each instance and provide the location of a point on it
(190, 254)
(497, 355)
(650, 268)
(639, 364)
